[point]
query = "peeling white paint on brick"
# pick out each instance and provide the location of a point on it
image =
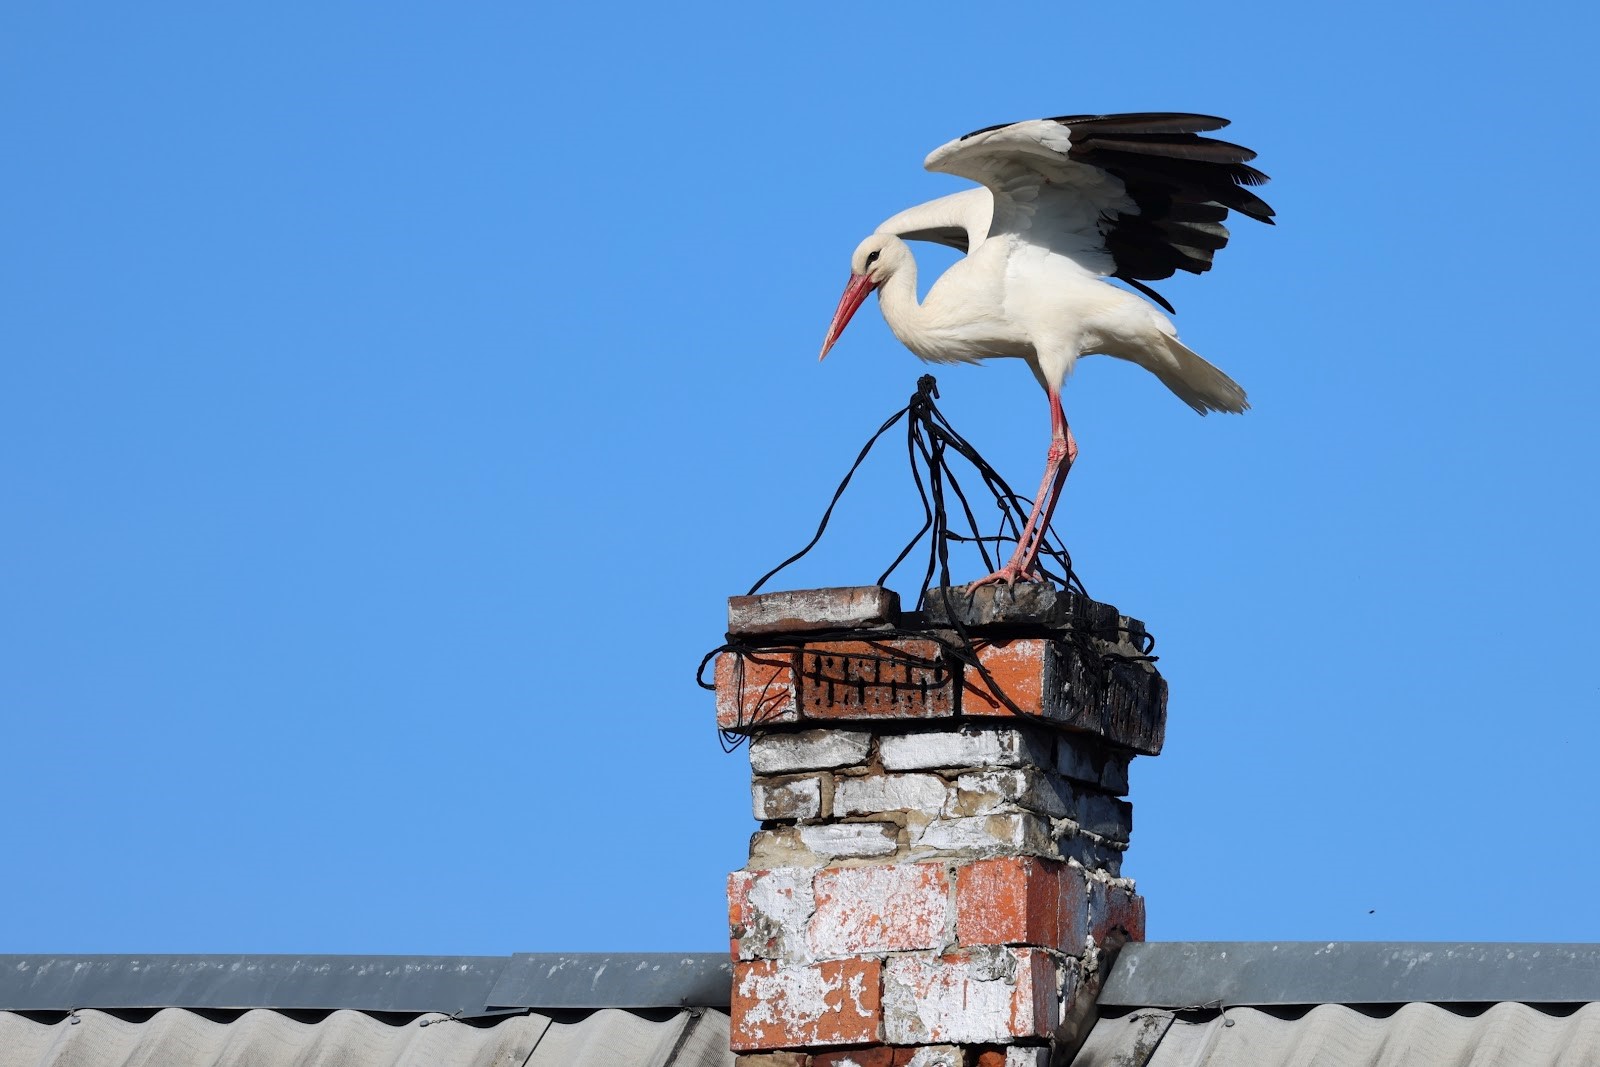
(852, 839)
(890, 792)
(779, 904)
(938, 1056)
(998, 747)
(868, 911)
(792, 998)
(808, 750)
(1028, 1057)
(972, 997)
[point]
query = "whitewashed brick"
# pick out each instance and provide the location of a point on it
(965, 748)
(890, 792)
(983, 792)
(799, 798)
(938, 1056)
(775, 909)
(808, 750)
(988, 835)
(851, 838)
(981, 995)
(873, 910)
(1036, 1056)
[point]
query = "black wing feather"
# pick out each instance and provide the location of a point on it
(1184, 185)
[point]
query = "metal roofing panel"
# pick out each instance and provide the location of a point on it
(175, 1037)
(365, 983)
(463, 985)
(1176, 974)
(1334, 1035)
(614, 980)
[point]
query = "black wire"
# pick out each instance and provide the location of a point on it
(929, 436)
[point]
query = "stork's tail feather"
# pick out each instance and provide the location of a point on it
(1199, 384)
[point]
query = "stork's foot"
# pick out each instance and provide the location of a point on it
(1010, 574)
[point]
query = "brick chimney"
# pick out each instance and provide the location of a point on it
(937, 877)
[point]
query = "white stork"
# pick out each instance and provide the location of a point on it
(1065, 203)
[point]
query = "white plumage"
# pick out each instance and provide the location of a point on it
(1063, 205)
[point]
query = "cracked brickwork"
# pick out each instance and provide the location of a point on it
(937, 877)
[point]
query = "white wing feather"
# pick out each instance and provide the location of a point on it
(960, 220)
(1040, 196)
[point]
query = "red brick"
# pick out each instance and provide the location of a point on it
(1017, 668)
(1115, 913)
(888, 679)
(755, 687)
(1019, 900)
(865, 911)
(785, 1006)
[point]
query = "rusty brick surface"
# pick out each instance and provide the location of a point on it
(777, 1006)
(970, 996)
(756, 688)
(1018, 900)
(864, 911)
(888, 679)
(800, 611)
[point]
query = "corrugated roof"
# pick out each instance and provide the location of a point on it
(1337, 1035)
(176, 1037)
(651, 1009)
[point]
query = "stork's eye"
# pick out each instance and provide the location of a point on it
(872, 257)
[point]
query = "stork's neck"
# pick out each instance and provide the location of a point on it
(897, 297)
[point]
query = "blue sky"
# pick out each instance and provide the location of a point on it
(392, 394)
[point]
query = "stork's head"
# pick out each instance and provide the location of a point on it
(870, 266)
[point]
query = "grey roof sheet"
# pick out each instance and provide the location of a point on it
(1337, 1035)
(457, 985)
(175, 1037)
(1176, 974)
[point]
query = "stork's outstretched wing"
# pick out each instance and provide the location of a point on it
(1136, 196)
(960, 220)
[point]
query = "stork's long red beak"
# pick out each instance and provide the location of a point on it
(861, 285)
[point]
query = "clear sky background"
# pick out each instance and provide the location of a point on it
(391, 395)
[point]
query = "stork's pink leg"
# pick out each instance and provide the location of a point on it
(1023, 565)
